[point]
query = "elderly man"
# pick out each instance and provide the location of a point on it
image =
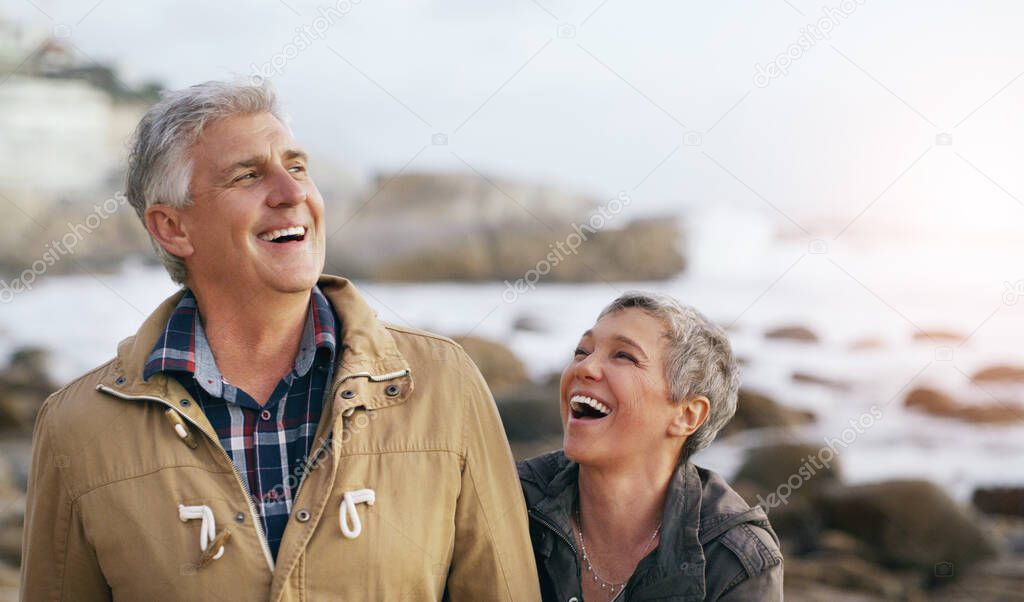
(263, 436)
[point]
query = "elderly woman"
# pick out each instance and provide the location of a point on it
(621, 513)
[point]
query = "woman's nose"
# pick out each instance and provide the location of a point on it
(589, 367)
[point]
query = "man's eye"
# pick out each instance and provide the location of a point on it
(579, 351)
(246, 176)
(297, 168)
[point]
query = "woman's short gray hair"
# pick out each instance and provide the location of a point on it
(699, 360)
(160, 162)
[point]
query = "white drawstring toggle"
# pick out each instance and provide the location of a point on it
(207, 531)
(347, 511)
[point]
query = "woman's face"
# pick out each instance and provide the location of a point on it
(615, 401)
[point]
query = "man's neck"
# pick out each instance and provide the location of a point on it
(254, 338)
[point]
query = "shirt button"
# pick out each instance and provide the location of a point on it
(302, 515)
(265, 415)
(240, 517)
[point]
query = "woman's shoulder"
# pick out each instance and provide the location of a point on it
(741, 549)
(536, 474)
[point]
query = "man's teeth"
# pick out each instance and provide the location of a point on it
(275, 234)
(578, 401)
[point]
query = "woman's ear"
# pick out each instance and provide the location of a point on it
(692, 413)
(165, 226)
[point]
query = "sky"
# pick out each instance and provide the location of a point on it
(847, 135)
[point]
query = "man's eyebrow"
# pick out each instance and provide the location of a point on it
(288, 155)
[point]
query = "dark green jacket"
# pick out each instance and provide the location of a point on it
(713, 545)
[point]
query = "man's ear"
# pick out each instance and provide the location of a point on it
(690, 416)
(165, 226)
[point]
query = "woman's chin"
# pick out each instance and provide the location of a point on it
(579, 450)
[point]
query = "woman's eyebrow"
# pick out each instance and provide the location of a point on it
(628, 341)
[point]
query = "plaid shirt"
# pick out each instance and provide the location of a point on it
(268, 444)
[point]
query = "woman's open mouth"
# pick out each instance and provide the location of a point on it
(587, 408)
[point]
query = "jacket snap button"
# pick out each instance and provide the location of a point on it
(185, 402)
(265, 415)
(302, 515)
(391, 390)
(240, 517)
(120, 380)
(348, 393)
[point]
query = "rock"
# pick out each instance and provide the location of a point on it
(940, 404)
(911, 524)
(867, 344)
(999, 500)
(754, 410)
(529, 323)
(938, 336)
(803, 467)
(502, 370)
(1000, 374)
(522, 256)
(995, 580)
(786, 480)
(24, 385)
(531, 413)
(838, 385)
(792, 333)
(847, 573)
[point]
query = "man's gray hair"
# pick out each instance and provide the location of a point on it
(699, 360)
(160, 162)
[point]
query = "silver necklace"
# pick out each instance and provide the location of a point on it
(615, 588)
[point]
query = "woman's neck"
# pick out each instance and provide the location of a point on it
(621, 507)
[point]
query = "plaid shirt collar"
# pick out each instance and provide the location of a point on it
(183, 345)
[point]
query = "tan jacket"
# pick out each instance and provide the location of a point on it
(116, 458)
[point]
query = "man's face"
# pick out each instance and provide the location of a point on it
(256, 222)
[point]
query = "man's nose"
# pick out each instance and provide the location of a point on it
(285, 189)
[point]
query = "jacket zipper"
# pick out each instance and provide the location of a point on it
(572, 546)
(238, 477)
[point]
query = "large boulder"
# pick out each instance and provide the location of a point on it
(755, 410)
(909, 524)
(787, 480)
(943, 405)
(500, 367)
(523, 255)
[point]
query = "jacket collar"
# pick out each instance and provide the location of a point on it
(367, 351)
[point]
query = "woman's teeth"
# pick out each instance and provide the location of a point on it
(581, 404)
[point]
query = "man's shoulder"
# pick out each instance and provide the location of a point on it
(420, 345)
(75, 416)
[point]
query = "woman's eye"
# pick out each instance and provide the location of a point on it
(625, 355)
